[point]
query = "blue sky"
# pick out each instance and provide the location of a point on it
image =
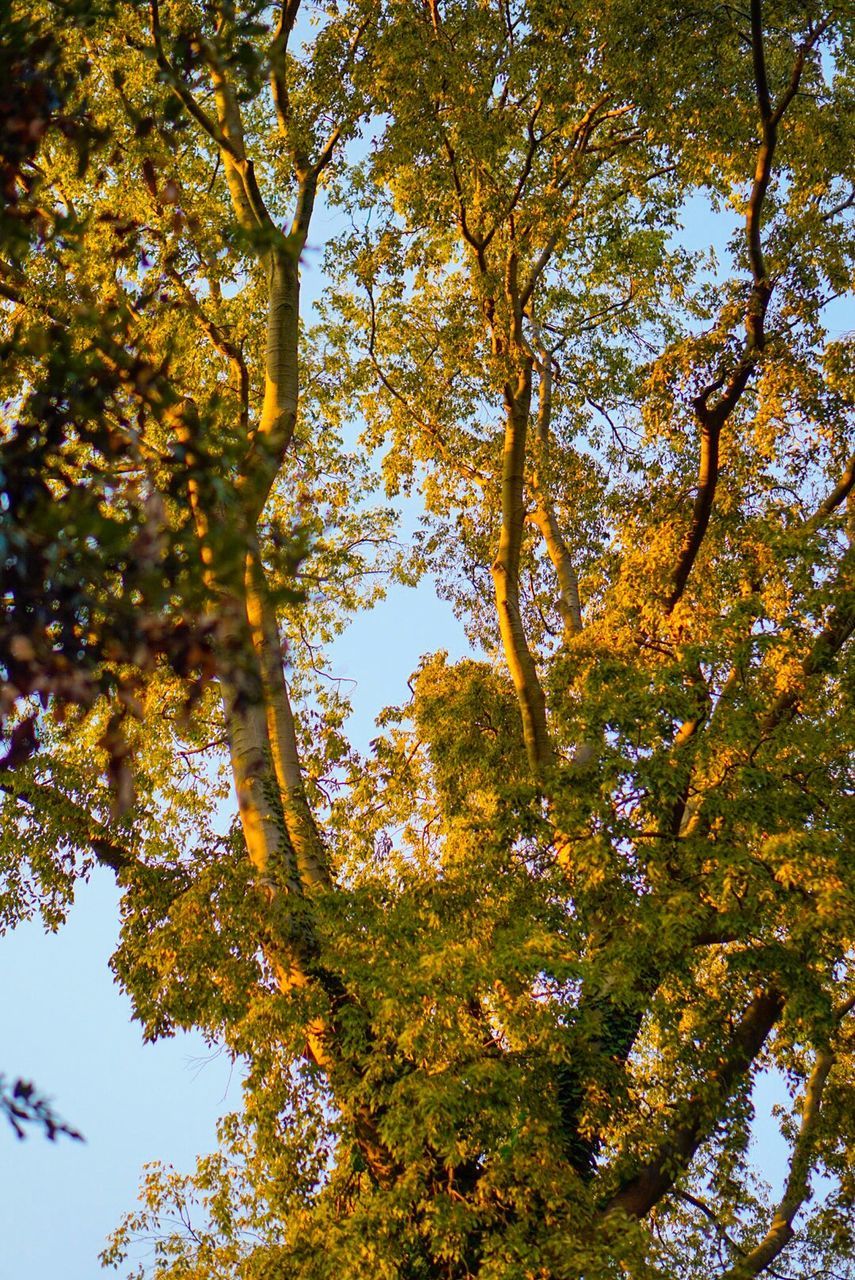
(67, 1027)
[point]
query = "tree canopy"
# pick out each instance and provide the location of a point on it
(502, 986)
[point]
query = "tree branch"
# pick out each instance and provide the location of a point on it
(838, 495)
(88, 829)
(478, 246)
(569, 604)
(712, 420)
(834, 635)
(429, 428)
(505, 572)
(640, 1193)
(179, 88)
(311, 856)
(219, 340)
(288, 11)
(797, 1188)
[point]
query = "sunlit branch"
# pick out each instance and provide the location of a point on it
(299, 820)
(478, 244)
(825, 648)
(569, 605)
(278, 54)
(179, 88)
(430, 429)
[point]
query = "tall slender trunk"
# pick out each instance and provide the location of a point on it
(258, 802)
(281, 370)
(544, 517)
(297, 813)
(506, 573)
(240, 678)
(275, 430)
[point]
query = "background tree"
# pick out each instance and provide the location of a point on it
(503, 988)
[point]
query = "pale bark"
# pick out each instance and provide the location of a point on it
(275, 430)
(569, 605)
(281, 730)
(241, 679)
(260, 814)
(268, 779)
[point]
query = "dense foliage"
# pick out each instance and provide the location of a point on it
(502, 988)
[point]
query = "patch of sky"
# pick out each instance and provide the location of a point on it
(66, 1026)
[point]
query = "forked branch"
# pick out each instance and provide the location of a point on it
(797, 1188)
(712, 418)
(208, 124)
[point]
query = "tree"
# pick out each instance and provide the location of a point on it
(503, 987)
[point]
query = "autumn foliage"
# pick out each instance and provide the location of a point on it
(501, 986)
